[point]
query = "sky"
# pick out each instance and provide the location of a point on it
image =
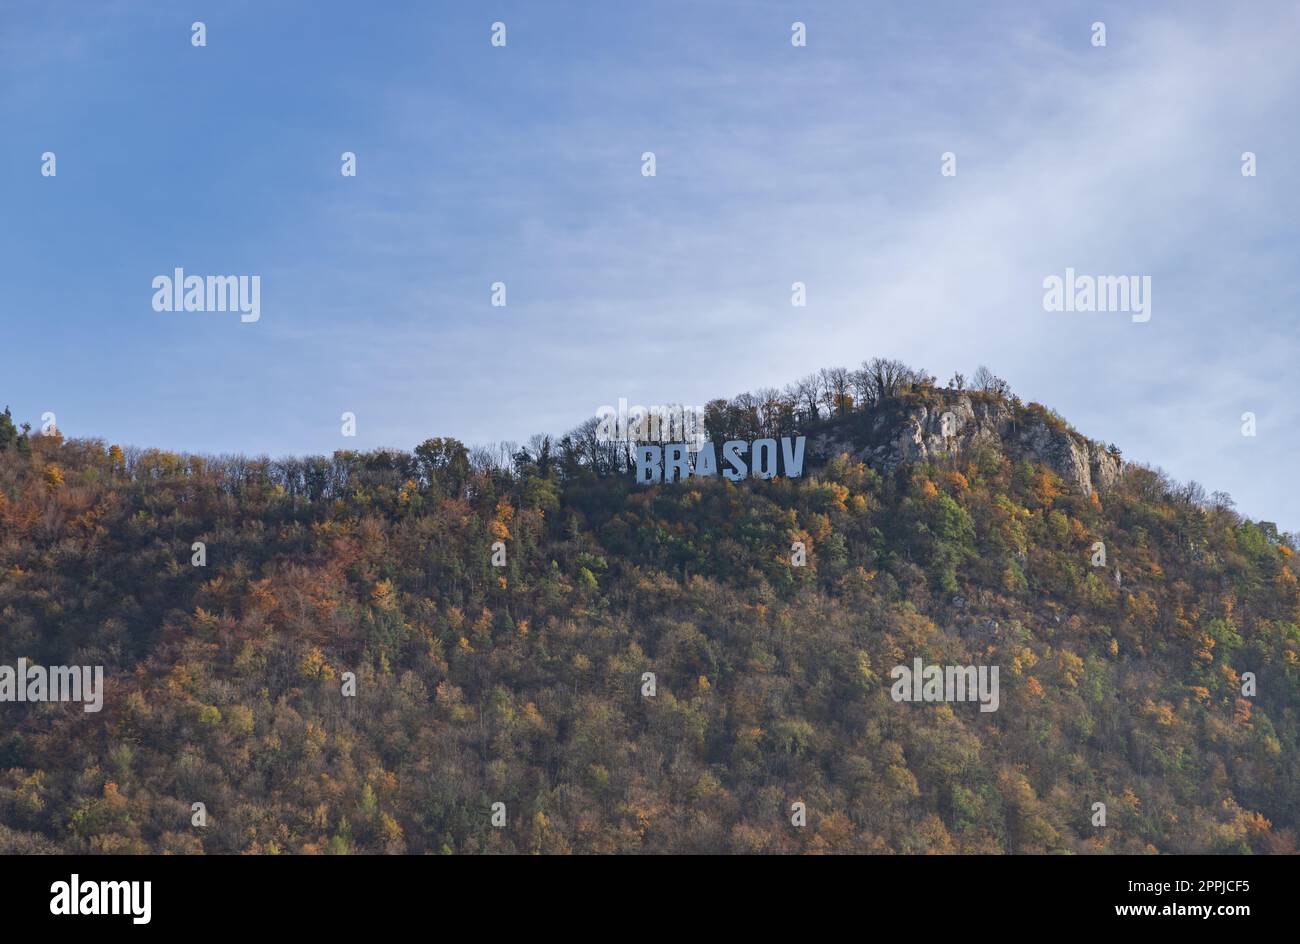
(523, 164)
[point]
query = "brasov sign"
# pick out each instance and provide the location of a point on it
(672, 462)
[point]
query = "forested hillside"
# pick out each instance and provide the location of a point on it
(524, 684)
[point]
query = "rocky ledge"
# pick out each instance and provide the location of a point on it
(959, 424)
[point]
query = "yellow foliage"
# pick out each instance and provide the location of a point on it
(382, 596)
(314, 666)
(1242, 713)
(1071, 667)
(1162, 714)
(505, 514)
(532, 718)
(1046, 488)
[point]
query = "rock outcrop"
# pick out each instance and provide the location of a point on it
(958, 425)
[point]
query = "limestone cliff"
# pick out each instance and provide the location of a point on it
(952, 423)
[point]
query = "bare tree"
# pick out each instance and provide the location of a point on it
(744, 416)
(836, 384)
(884, 378)
(769, 406)
(810, 395)
(790, 403)
(990, 382)
(862, 385)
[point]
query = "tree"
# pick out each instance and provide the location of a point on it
(988, 382)
(8, 431)
(445, 463)
(809, 396)
(836, 384)
(884, 378)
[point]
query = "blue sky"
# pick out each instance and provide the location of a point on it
(775, 164)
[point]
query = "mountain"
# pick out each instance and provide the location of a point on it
(436, 651)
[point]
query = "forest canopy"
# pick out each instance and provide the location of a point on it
(500, 611)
